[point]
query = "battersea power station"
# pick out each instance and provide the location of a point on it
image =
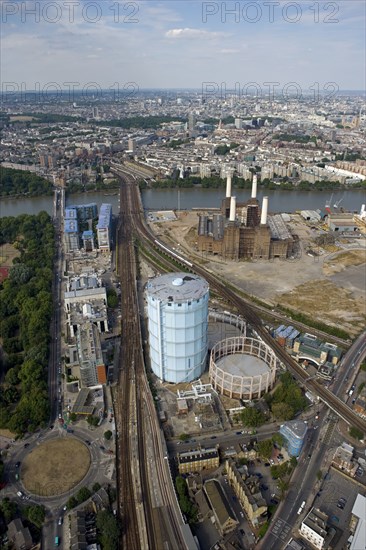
(243, 230)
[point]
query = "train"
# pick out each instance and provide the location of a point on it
(180, 258)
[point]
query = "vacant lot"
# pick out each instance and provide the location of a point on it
(55, 467)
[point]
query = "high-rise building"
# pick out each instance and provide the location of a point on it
(191, 121)
(178, 320)
(104, 227)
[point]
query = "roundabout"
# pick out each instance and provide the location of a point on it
(55, 467)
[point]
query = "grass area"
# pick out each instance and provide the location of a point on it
(352, 257)
(7, 254)
(49, 470)
(323, 305)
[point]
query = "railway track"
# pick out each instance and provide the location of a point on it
(244, 309)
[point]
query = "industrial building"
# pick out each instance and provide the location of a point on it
(177, 306)
(242, 368)
(243, 231)
(104, 228)
(294, 431)
(342, 223)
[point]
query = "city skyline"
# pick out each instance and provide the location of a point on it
(180, 45)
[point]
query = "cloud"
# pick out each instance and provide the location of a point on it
(193, 33)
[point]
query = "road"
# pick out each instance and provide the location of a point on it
(55, 345)
(100, 462)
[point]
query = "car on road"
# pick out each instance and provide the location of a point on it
(242, 532)
(264, 487)
(238, 433)
(17, 464)
(101, 447)
(267, 464)
(87, 442)
(241, 514)
(213, 436)
(20, 494)
(26, 445)
(60, 519)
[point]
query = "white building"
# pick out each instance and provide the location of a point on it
(314, 528)
(178, 321)
(359, 518)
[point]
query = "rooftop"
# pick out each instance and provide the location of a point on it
(177, 287)
(297, 427)
(105, 214)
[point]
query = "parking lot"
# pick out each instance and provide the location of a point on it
(336, 499)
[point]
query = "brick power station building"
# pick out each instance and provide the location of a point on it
(243, 231)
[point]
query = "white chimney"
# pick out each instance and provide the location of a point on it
(232, 209)
(228, 186)
(264, 211)
(362, 209)
(254, 187)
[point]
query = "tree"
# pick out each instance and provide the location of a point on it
(109, 530)
(108, 435)
(73, 417)
(356, 433)
(9, 509)
(96, 487)
(93, 420)
(112, 298)
(36, 514)
(282, 411)
(319, 475)
(278, 439)
(71, 503)
(83, 494)
(184, 437)
(251, 417)
(265, 448)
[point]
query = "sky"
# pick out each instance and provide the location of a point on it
(182, 44)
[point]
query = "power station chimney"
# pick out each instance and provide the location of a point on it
(228, 186)
(264, 211)
(254, 187)
(232, 209)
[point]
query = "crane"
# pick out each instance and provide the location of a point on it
(337, 203)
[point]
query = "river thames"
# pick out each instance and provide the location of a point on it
(186, 199)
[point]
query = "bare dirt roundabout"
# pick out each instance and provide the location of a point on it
(55, 467)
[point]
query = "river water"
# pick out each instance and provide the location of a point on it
(155, 199)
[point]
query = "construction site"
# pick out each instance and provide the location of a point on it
(322, 277)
